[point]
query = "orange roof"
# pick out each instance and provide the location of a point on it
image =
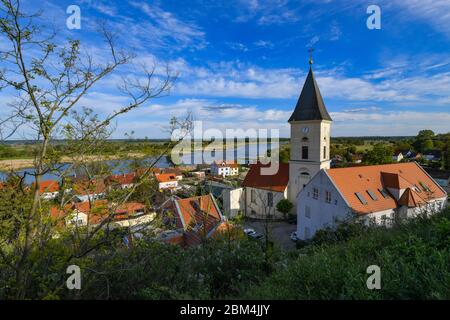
(97, 211)
(166, 177)
(174, 171)
(372, 179)
(411, 199)
(195, 209)
(126, 178)
(277, 182)
(48, 186)
(87, 187)
(230, 163)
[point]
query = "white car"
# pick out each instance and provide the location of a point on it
(249, 231)
(294, 236)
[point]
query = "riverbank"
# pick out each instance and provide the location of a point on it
(18, 164)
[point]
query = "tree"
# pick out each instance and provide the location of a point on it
(49, 81)
(284, 206)
(380, 154)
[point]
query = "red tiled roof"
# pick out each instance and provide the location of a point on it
(48, 186)
(277, 182)
(86, 187)
(350, 181)
(175, 171)
(195, 209)
(230, 163)
(98, 210)
(166, 177)
(411, 199)
(126, 178)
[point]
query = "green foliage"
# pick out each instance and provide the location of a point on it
(285, 154)
(284, 206)
(380, 154)
(414, 258)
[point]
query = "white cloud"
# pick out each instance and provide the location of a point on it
(163, 29)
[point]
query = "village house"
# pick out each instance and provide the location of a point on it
(397, 157)
(122, 181)
(49, 189)
(87, 213)
(174, 171)
(88, 190)
(192, 220)
(378, 194)
(263, 192)
(166, 181)
(224, 168)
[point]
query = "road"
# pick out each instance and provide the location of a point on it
(279, 232)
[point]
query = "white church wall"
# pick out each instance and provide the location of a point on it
(257, 205)
(316, 214)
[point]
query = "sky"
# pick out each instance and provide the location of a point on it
(242, 63)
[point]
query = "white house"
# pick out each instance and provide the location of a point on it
(49, 189)
(167, 181)
(397, 157)
(224, 168)
(378, 194)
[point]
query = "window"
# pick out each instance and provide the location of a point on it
(327, 196)
(384, 193)
(307, 233)
(315, 193)
(304, 152)
(253, 196)
(424, 186)
(372, 195)
(307, 212)
(325, 152)
(270, 199)
(416, 188)
(360, 198)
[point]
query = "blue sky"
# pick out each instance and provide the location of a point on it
(242, 63)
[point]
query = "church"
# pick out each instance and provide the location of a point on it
(323, 196)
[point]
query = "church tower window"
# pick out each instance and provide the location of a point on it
(304, 152)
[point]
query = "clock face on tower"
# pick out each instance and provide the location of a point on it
(305, 129)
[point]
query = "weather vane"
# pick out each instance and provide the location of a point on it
(311, 50)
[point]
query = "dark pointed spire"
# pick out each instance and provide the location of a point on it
(310, 104)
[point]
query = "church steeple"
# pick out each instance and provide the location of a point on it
(310, 136)
(310, 105)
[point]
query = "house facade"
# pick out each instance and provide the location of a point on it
(224, 168)
(374, 194)
(167, 181)
(263, 192)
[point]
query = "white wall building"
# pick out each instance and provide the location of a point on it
(378, 194)
(224, 168)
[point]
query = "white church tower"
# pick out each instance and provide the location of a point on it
(310, 137)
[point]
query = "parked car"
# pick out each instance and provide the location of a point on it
(251, 233)
(292, 220)
(294, 236)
